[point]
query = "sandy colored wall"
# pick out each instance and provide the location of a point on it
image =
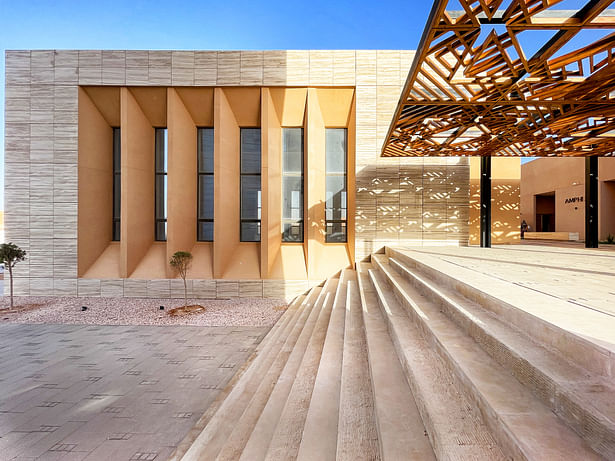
(606, 197)
(566, 177)
(505, 199)
(570, 217)
(607, 210)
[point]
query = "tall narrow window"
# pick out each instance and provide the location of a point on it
(250, 156)
(335, 171)
(117, 185)
(161, 184)
(292, 185)
(205, 200)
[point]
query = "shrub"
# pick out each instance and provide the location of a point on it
(11, 254)
(181, 262)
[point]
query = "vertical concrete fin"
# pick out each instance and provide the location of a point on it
(137, 167)
(182, 178)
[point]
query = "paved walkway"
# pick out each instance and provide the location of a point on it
(74, 392)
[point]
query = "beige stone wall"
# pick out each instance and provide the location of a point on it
(407, 201)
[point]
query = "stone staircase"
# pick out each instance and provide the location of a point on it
(393, 362)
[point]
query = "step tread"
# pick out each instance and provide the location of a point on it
(295, 303)
(262, 431)
(454, 429)
(400, 427)
(287, 437)
(215, 434)
(319, 439)
(243, 427)
(357, 431)
(556, 381)
(593, 332)
(534, 428)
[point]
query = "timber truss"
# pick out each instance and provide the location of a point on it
(473, 90)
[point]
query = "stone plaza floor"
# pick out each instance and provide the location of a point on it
(83, 392)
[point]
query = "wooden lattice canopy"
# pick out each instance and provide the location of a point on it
(476, 87)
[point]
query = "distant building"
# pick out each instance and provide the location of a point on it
(553, 195)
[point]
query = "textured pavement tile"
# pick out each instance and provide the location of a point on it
(106, 392)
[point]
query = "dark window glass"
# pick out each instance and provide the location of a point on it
(205, 168)
(250, 151)
(161, 158)
(250, 185)
(335, 171)
(117, 183)
(251, 197)
(292, 185)
(250, 231)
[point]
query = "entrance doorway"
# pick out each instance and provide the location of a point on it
(545, 212)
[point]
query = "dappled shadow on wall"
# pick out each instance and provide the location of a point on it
(411, 202)
(504, 211)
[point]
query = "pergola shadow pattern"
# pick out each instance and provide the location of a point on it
(510, 78)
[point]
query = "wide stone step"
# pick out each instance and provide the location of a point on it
(522, 425)
(586, 339)
(586, 402)
(357, 436)
(222, 423)
(454, 427)
(236, 442)
(400, 428)
(287, 437)
(319, 440)
(264, 428)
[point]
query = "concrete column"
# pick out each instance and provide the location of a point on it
(591, 202)
(485, 202)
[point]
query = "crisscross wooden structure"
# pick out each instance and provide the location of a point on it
(473, 90)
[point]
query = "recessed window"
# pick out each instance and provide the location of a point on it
(117, 184)
(335, 178)
(292, 185)
(161, 184)
(250, 185)
(205, 197)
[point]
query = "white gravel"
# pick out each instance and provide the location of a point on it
(138, 311)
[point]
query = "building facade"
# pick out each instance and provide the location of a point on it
(265, 165)
(553, 195)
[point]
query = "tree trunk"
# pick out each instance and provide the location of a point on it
(185, 293)
(11, 282)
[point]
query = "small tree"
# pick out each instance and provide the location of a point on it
(181, 262)
(11, 254)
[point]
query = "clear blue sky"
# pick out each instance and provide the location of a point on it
(188, 25)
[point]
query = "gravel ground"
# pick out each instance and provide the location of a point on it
(137, 311)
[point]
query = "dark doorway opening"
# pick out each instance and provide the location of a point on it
(545, 212)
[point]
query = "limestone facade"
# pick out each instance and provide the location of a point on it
(396, 201)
